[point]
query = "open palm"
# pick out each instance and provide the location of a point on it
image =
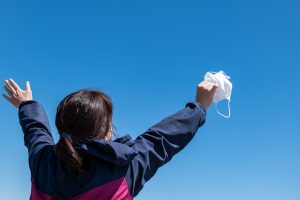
(15, 95)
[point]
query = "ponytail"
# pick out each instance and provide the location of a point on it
(66, 152)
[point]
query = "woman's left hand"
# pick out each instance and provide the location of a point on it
(15, 94)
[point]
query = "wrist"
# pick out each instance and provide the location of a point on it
(25, 102)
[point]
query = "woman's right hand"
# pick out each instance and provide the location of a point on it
(15, 94)
(205, 93)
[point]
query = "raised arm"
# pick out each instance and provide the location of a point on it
(162, 141)
(33, 120)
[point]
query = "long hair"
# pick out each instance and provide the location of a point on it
(82, 116)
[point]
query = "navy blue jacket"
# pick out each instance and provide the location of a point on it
(116, 169)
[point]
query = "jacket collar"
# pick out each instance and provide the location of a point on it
(118, 152)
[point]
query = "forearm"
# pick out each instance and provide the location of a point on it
(35, 125)
(178, 129)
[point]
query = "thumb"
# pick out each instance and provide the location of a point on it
(28, 86)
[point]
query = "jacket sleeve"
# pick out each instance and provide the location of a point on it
(37, 134)
(161, 142)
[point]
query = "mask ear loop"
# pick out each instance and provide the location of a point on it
(228, 105)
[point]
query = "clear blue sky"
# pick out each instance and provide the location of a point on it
(149, 56)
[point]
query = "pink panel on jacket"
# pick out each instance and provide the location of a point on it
(114, 190)
(37, 195)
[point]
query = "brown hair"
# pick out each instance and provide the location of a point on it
(82, 116)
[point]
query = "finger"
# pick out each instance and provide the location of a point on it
(11, 94)
(28, 86)
(202, 83)
(7, 98)
(14, 84)
(215, 87)
(8, 91)
(10, 87)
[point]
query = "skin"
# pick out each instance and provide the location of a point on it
(205, 93)
(15, 95)
(109, 135)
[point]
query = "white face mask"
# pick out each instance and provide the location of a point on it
(223, 91)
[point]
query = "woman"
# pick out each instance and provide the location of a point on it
(86, 163)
